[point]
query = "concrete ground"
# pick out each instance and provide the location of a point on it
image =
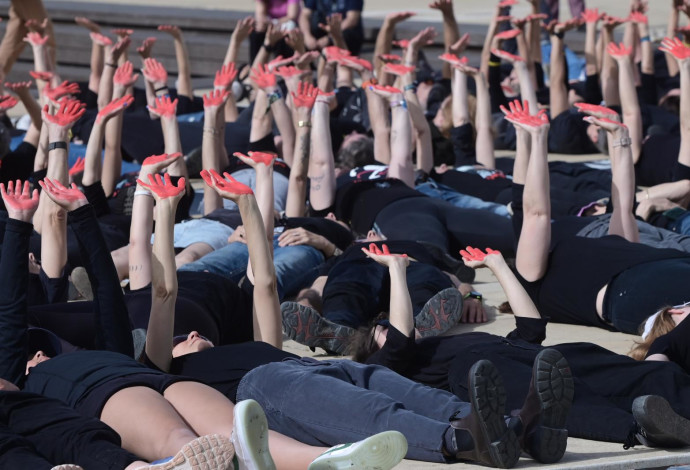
(580, 454)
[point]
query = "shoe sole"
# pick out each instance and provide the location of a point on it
(488, 399)
(440, 313)
(381, 451)
(67, 466)
(662, 425)
(553, 382)
(306, 326)
(212, 452)
(250, 430)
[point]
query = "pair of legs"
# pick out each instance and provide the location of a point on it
(156, 426)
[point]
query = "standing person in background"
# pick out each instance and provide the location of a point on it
(550, 7)
(314, 22)
(25, 16)
(282, 14)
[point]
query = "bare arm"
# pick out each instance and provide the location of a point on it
(451, 32)
(304, 101)
(400, 166)
(211, 145)
(321, 163)
(184, 72)
(671, 28)
(558, 92)
(632, 117)
(241, 32)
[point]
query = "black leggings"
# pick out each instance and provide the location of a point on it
(444, 225)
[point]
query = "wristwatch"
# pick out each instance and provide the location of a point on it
(473, 295)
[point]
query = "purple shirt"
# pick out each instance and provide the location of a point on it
(277, 9)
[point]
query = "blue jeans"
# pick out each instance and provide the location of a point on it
(296, 266)
(326, 403)
(441, 191)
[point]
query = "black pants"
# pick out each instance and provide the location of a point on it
(446, 226)
(38, 432)
(606, 383)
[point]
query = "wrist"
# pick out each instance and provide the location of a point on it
(57, 135)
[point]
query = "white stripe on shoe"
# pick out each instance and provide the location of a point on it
(381, 451)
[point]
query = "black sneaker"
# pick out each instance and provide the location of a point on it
(658, 424)
(546, 407)
(440, 313)
(304, 325)
(494, 444)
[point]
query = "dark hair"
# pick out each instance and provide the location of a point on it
(362, 343)
(671, 104)
(357, 153)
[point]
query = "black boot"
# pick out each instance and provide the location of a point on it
(494, 444)
(657, 425)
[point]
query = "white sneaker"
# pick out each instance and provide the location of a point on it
(250, 437)
(67, 466)
(381, 451)
(212, 452)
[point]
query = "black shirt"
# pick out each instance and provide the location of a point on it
(223, 367)
(675, 345)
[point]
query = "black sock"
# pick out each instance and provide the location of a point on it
(457, 440)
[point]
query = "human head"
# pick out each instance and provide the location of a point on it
(662, 322)
(367, 340)
(356, 150)
(42, 345)
(191, 343)
(35, 359)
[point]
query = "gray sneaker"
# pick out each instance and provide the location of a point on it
(250, 437)
(211, 452)
(440, 313)
(381, 451)
(304, 325)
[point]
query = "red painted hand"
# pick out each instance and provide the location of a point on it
(215, 98)
(305, 96)
(390, 58)
(520, 116)
(146, 45)
(7, 102)
(402, 44)
(101, 39)
(171, 29)
(510, 34)
(618, 51)
(638, 17)
(45, 76)
(78, 167)
(227, 187)
(225, 76)
(122, 32)
(279, 62)
(385, 89)
(507, 3)
(124, 75)
(290, 71)
(67, 198)
(592, 15)
(597, 111)
(19, 200)
(67, 114)
(507, 56)
(36, 39)
(383, 251)
(356, 62)
(398, 69)
(164, 106)
(451, 58)
(334, 52)
(162, 187)
(63, 89)
(257, 158)
(154, 71)
(157, 163)
(19, 87)
(676, 48)
(263, 78)
(475, 254)
(115, 107)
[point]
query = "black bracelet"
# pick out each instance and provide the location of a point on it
(111, 65)
(57, 145)
(269, 49)
(560, 35)
(161, 89)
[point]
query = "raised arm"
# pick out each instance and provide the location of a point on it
(159, 335)
(520, 302)
(142, 222)
(400, 310)
(112, 55)
(528, 91)
(400, 166)
(321, 163)
(385, 36)
(558, 89)
(632, 117)
(165, 109)
(267, 317)
(451, 32)
(211, 144)
(609, 71)
(242, 30)
(680, 53)
(535, 237)
(184, 70)
(671, 28)
(303, 102)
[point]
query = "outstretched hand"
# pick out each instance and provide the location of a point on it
(78, 167)
(125, 76)
(20, 201)
(155, 72)
(63, 89)
(619, 51)
(7, 102)
(507, 56)
(384, 257)
(215, 99)
(306, 95)
(609, 125)
(68, 113)
(228, 187)
(67, 198)
(162, 188)
(398, 69)
(225, 76)
(254, 159)
(475, 258)
(157, 163)
(598, 111)
(676, 48)
(510, 34)
(115, 107)
(163, 106)
(519, 115)
(263, 78)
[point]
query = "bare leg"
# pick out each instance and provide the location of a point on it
(149, 425)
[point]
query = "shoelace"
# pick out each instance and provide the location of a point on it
(636, 436)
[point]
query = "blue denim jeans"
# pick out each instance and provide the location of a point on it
(441, 191)
(296, 266)
(326, 403)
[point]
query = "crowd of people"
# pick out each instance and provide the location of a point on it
(343, 199)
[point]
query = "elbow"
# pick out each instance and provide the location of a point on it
(57, 216)
(165, 292)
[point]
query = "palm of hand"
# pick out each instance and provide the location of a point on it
(156, 163)
(18, 196)
(228, 185)
(68, 113)
(162, 187)
(164, 106)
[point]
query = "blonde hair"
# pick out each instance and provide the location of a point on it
(663, 324)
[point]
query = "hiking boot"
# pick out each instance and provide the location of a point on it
(381, 451)
(546, 408)
(211, 452)
(440, 313)
(81, 282)
(494, 444)
(250, 437)
(304, 325)
(658, 425)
